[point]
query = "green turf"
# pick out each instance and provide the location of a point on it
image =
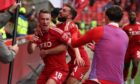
(137, 78)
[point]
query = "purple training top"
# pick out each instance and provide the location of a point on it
(108, 61)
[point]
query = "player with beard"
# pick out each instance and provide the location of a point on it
(66, 15)
(79, 63)
(133, 52)
(111, 43)
(56, 68)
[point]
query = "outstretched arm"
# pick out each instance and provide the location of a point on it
(32, 45)
(92, 35)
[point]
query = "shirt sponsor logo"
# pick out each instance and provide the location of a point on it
(46, 45)
(131, 32)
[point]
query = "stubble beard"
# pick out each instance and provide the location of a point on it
(62, 19)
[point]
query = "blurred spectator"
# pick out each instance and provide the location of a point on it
(5, 16)
(117, 2)
(7, 54)
(9, 29)
(32, 19)
(93, 23)
(22, 27)
(82, 27)
(111, 3)
(130, 5)
(91, 2)
(137, 6)
(108, 5)
(2, 31)
(98, 10)
(124, 19)
(54, 14)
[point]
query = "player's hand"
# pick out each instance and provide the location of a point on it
(35, 38)
(91, 46)
(15, 48)
(79, 61)
(43, 53)
(13, 7)
(38, 32)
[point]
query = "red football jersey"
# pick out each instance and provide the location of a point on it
(69, 28)
(50, 40)
(133, 32)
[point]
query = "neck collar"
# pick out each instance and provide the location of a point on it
(114, 24)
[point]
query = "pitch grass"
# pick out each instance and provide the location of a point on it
(137, 78)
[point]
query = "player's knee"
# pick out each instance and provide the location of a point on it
(51, 81)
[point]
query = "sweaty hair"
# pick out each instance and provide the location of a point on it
(72, 11)
(114, 13)
(55, 12)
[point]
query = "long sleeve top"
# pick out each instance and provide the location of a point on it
(6, 55)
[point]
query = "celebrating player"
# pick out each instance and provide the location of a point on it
(132, 55)
(56, 69)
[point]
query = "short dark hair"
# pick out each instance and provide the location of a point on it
(130, 13)
(114, 13)
(55, 12)
(72, 11)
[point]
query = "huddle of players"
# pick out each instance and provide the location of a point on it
(53, 46)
